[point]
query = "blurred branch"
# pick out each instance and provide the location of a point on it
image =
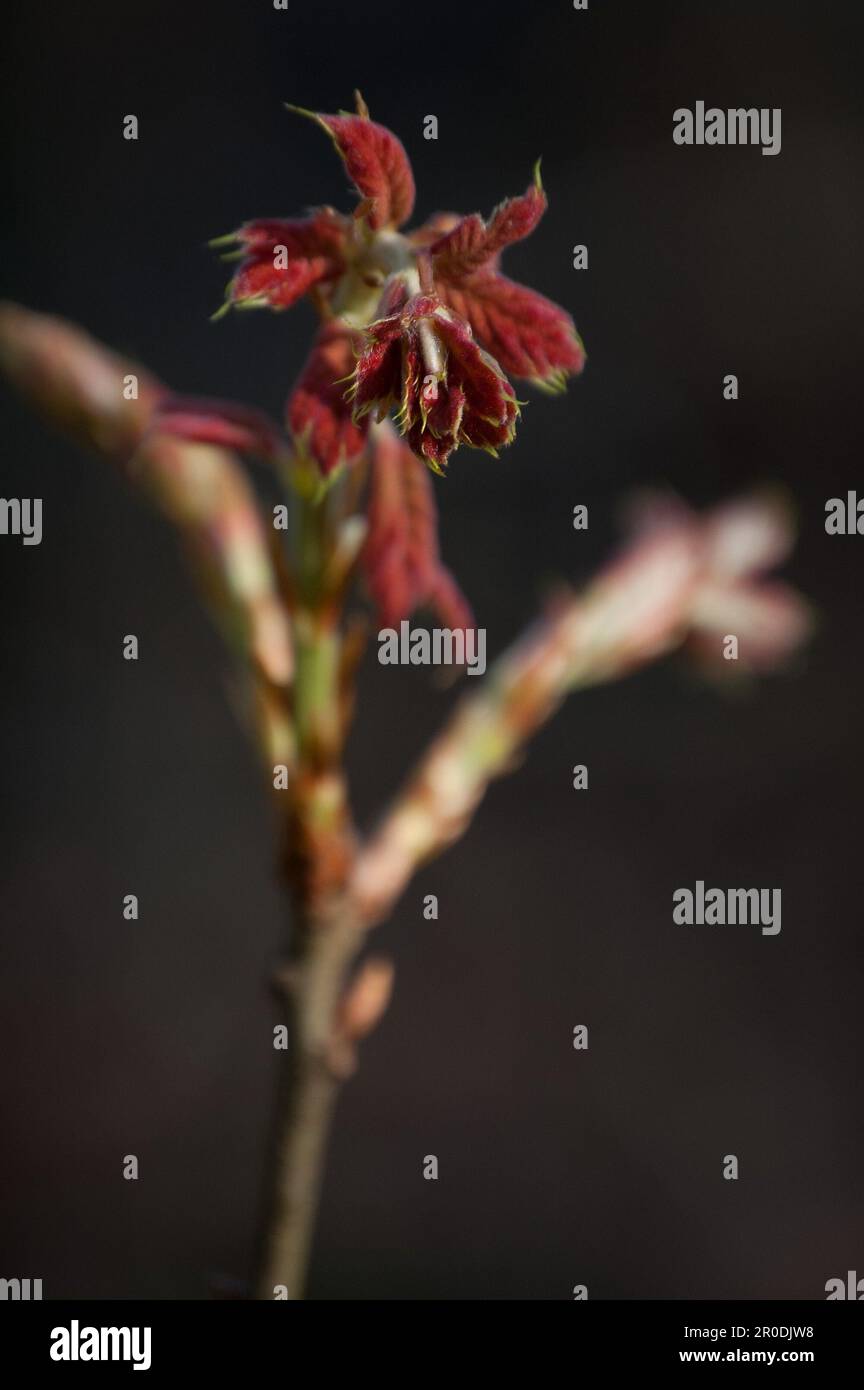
(681, 580)
(111, 405)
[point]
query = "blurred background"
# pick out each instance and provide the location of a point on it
(154, 1037)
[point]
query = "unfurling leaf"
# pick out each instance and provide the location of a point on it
(319, 416)
(377, 163)
(473, 243)
(528, 335)
(401, 559)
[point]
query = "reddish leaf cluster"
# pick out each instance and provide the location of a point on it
(430, 320)
(449, 391)
(420, 323)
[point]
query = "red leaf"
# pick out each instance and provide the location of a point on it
(377, 375)
(377, 163)
(401, 558)
(283, 258)
(473, 243)
(318, 414)
(261, 282)
(528, 334)
(324, 233)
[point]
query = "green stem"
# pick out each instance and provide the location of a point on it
(316, 690)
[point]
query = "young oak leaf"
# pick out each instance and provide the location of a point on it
(282, 259)
(318, 413)
(529, 335)
(377, 163)
(451, 391)
(401, 560)
(472, 244)
(435, 328)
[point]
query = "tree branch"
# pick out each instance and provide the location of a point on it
(684, 577)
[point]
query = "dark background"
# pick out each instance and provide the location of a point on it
(154, 1038)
